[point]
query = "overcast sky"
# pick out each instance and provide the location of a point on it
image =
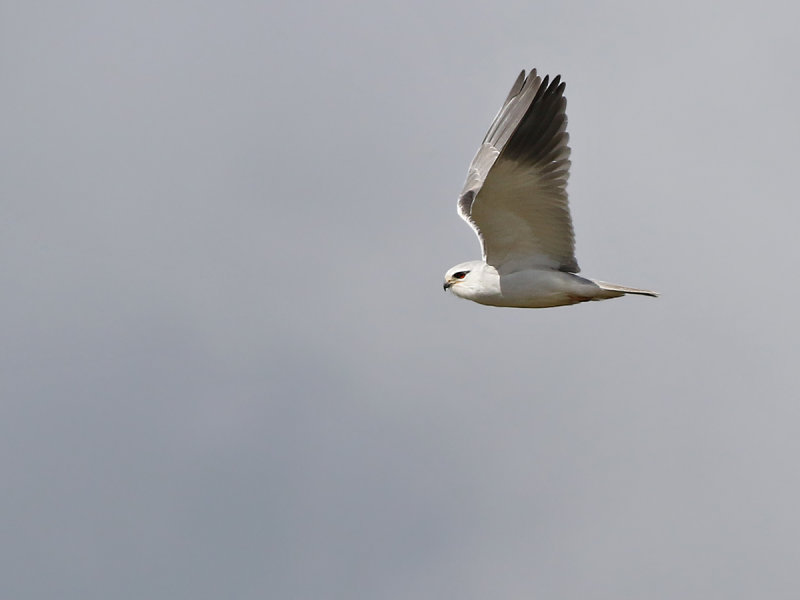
(229, 370)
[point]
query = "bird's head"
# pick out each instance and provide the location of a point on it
(459, 276)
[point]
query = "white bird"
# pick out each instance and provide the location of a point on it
(515, 199)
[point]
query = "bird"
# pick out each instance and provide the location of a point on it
(515, 199)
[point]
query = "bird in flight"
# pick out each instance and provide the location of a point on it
(515, 199)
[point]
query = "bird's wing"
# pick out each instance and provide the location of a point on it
(515, 196)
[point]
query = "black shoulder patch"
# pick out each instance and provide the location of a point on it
(465, 203)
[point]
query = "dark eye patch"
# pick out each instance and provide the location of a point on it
(460, 274)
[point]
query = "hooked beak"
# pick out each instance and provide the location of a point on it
(446, 285)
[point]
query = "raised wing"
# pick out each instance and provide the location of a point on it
(515, 196)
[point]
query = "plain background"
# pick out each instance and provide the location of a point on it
(229, 370)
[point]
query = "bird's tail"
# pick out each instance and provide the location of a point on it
(612, 287)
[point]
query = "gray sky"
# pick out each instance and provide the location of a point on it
(230, 371)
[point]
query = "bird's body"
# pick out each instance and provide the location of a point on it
(516, 201)
(531, 288)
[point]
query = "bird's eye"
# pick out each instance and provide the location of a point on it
(460, 274)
